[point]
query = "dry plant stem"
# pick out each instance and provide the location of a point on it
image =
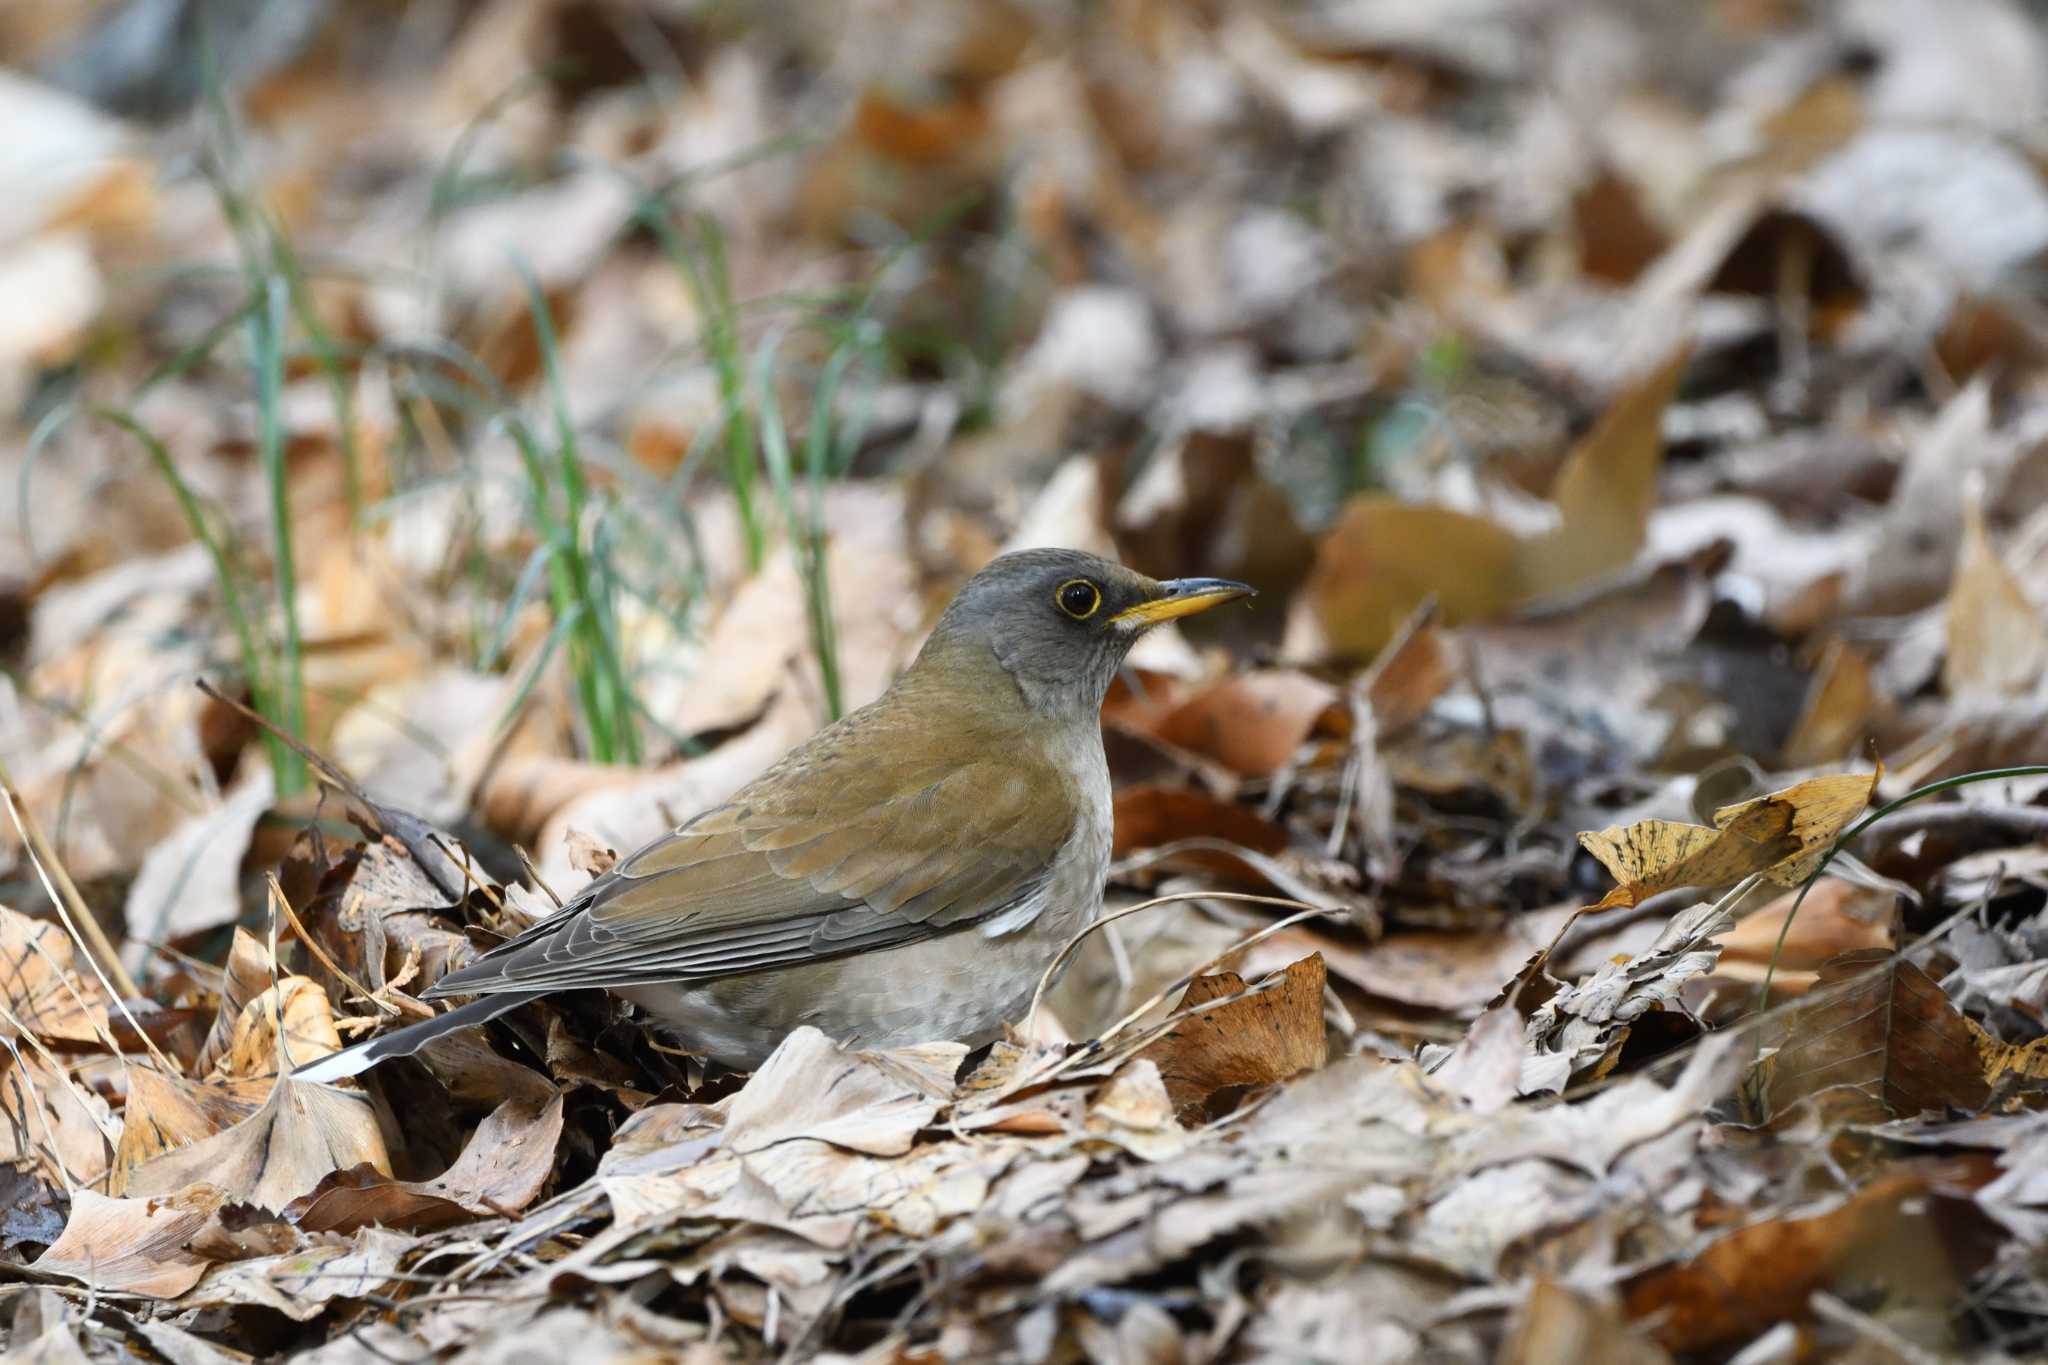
(1067, 949)
(62, 1077)
(64, 895)
(526, 861)
(313, 947)
(1842, 842)
(64, 1176)
(72, 910)
(63, 977)
(1826, 1305)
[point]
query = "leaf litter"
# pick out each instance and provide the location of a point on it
(1625, 464)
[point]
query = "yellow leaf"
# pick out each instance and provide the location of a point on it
(1605, 491)
(1997, 639)
(1384, 558)
(1782, 835)
(1821, 808)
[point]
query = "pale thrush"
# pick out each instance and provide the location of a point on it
(903, 876)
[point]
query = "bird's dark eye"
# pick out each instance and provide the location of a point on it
(1079, 598)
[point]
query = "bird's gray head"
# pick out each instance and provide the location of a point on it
(1059, 622)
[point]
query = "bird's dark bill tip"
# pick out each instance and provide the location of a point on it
(1184, 597)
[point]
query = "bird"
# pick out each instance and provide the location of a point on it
(906, 875)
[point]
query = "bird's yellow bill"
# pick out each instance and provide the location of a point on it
(1182, 597)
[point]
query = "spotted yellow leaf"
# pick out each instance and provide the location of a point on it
(1782, 835)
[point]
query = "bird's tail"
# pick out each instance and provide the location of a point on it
(354, 1061)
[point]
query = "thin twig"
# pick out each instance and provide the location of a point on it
(1066, 949)
(313, 947)
(64, 895)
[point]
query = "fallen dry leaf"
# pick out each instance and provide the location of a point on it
(1997, 639)
(133, 1246)
(1605, 491)
(43, 989)
(502, 1169)
(1253, 723)
(1835, 717)
(1383, 558)
(1557, 1325)
(1767, 1272)
(1258, 1041)
(1885, 1035)
(164, 1113)
(1780, 835)
(1837, 917)
(1152, 816)
(302, 1134)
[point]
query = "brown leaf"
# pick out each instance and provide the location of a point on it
(1997, 639)
(1781, 834)
(1837, 710)
(51, 1122)
(285, 1027)
(165, 1113)
(1417, 667)
(1383, 558)
(1151, 816)
(1262, 1040)
(1889, 1034)
(1617, 237)
(41, 987)
(1253, 723)
(302, 1134)
(1766, 1272)
(1605, 491)
(133, 1246)
(502, 1169)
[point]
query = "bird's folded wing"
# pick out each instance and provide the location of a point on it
(787, 876)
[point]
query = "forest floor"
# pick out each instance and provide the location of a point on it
(1603, 877)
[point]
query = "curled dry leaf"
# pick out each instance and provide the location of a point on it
(133, 1246)
(1997, 639)
(502, 1169)
(302, 1134)
(1582, 1027)
(1781, 835)
(1273, 1036)
(43, 990)
(285, 1027)
(589, 855)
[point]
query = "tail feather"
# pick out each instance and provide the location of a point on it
(354, 1061)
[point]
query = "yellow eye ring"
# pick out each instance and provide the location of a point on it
(1078, 598)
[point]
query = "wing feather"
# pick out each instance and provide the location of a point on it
(767, 880)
